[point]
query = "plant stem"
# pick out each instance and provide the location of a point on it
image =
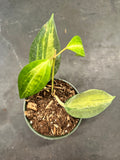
(61, 51)
(59, 101)
(53, 70)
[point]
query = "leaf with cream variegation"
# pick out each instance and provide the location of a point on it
(46, 43)
(76, 46)
(34, 77)
(88, 104)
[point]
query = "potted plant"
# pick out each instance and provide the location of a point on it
(53, 108)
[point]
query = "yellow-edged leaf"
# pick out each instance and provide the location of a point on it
(88, 104)
(76, 46)
(34, 77)
(46, 43)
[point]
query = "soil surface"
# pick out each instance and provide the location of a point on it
(44, 113)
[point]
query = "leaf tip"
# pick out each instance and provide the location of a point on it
(113, 97)
(52, 16)
(20, 97)
(81, 54)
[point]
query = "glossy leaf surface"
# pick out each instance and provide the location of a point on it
(76, 46)
(34, 77)
(45, 43)
(88, 104)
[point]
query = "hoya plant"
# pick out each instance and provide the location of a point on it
(44, 61)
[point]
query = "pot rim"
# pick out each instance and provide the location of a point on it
(52, 137)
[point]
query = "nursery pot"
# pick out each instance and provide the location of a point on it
(52, 137)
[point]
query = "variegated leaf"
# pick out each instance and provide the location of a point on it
(34, 77)
(76, 46)
(46, 43)
(88, 104)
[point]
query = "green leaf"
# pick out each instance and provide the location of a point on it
(34, 77)
(88, 104)
(45, 43)
(76, 46)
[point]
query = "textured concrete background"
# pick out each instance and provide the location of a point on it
(98, 24)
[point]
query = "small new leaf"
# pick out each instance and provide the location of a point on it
(88, 104)
(76, 46)
(46, 43)
(34, 77)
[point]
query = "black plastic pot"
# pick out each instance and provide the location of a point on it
(52, 137)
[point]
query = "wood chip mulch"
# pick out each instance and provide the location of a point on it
(44, 113)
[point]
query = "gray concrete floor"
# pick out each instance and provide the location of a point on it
(98, 24)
